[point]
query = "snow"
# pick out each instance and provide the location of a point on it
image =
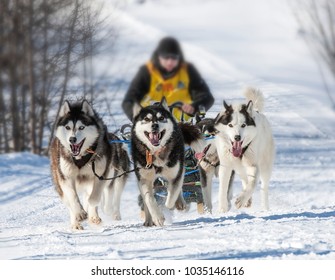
(233, 44)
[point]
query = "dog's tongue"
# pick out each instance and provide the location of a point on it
(154, 138)
(237, 148)
(75, 148)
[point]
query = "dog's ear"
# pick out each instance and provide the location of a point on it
(136, 110)
(64, 109)
(250, 108)
(222, 113)
(218, 118)
(87, 109)
(164, 104)
(227, 107)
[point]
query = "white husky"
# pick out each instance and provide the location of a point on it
(245, 145)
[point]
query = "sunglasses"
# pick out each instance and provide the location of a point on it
(169, 56)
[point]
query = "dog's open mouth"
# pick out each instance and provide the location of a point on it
(75, 148)
(237, 148)
(155, 137)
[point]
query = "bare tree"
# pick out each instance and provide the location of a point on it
(42, 45)
(317, 23)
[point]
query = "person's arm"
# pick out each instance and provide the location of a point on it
(138, 88)
(199, 90)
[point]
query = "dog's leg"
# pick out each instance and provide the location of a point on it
(244, 187)
(94, 200)
(224, 178)
(85, 197)
(230, 188)
(71, 199)
(146, 189)
(244, 199)
(265, 180)
(265, 194)
(206, 187)
(148, 222)
(265, 170)
(113, 194)
(174, 194)
(180, 203)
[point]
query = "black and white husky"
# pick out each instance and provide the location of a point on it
(157, 145)
(209, 164)
(245, 145)
(81, 140)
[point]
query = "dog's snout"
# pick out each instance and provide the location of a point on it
(155, 126)
(73, 140)
(237, 138)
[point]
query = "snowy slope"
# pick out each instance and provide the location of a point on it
(263, 51)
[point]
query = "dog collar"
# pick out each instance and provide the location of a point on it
(82, 161)
(149, 156)
(148, 159)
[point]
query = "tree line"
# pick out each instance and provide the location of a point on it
(43, 45)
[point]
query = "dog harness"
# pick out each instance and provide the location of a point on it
(174, 89)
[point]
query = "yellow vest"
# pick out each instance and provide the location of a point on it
(174, 89)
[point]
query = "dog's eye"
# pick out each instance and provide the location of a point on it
(161, 118)
(67, 127)
(230, 125)
(147, 119)
(243, 125)
(81, 127)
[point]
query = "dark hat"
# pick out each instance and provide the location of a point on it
(169, 45)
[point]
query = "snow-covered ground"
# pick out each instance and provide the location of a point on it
(233, 44)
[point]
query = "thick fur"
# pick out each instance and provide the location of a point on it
(245, 144)
(81, 138)
(156, 133)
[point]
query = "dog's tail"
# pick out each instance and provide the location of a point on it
(192, 136)
(256, 96)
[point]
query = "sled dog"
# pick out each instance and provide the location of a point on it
(157, 145)
(209, 164)
(244, 144)
(82, 141)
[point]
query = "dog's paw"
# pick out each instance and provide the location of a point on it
(77, 226)
(181, 204)
(159, 221)
(248, 203)
(151, 223)
(148, 223)
(224, 208)
(95, 220)
(116, 216)
(81, 216)
(242, 201)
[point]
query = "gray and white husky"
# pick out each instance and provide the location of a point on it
(81, 139)
(157, 145)
(244, 144)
